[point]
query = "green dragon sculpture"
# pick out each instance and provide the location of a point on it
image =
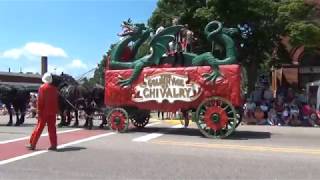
(159, 46)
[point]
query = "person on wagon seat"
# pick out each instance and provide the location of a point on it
(47, 109)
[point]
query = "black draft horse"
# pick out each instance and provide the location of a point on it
(74, 97)
(65, 84)
(95, 103)
(18, 97)
(89, 99)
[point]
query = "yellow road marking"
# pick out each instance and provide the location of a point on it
(242, 147)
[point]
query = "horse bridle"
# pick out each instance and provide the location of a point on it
(68, 102)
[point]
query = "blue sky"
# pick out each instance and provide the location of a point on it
(73, 33)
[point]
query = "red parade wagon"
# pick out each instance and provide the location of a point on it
(215, 106)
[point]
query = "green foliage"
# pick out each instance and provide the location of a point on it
(295, 16)
(167, 9)
(98, 77)
(269, 20)
(260, 14)
(293, 10)
(304, 33)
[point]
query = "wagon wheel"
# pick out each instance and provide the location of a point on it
(141, 120)
(118, 119)
(239, 116)
(216, 117)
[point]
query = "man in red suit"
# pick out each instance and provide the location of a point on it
(47, 110)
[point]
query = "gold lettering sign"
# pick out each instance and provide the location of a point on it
(166, 86)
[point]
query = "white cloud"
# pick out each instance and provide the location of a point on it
(34, 49)
(12, 53)
(58, 60)
(75, 67)
(78, 64)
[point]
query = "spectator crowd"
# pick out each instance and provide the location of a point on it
(287, 108)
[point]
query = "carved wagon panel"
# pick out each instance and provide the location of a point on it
(185, 88)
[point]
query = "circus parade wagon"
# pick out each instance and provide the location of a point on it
(171, 79)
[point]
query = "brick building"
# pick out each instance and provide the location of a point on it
(25, 79)
(20, 78)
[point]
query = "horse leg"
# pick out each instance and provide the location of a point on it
(104, 121)
(10, 115)
(63, 120)
(22, 117)
(76, 123)
(89, 122)
(17, 111)
(23, 113)
(86, 124)
(69, 118)
(18, 119)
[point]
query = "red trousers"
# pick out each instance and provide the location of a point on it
(42, 121)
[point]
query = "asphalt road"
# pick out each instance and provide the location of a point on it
(165, 151)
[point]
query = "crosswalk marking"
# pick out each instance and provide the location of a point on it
(45, 134)
(148, 137)
(59, 147)
(143, 138)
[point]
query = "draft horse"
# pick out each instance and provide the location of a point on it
(17, 97)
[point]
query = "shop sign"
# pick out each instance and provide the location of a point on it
(166, 86)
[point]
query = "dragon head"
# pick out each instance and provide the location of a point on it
(129, 29)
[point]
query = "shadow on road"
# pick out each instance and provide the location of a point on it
(168, 131)
(237, 135)
(246, 135)
(66, 149)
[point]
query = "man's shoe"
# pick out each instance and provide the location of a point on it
(30, 147)
(52, 148)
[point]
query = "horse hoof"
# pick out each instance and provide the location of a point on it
(75, 125)
(60, 125)
(16, 124)
(101, 126)
(9, 124)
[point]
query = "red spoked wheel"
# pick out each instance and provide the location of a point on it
(216, 117)
(140, 119)
(118, 120)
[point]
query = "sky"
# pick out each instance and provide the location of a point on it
(74, 34)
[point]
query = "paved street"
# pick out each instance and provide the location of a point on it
(163, 150)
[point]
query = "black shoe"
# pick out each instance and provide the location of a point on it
(30, 147)
(52, 148)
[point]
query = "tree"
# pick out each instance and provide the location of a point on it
(262, 24)
(296, 18)
(268, 21)
(98, 77)
(259, 15)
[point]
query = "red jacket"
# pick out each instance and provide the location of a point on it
(47, 100)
